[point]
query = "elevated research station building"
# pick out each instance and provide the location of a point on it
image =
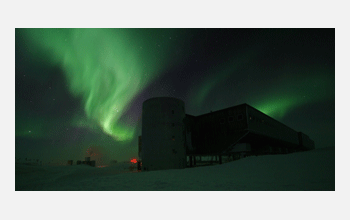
(172, 139)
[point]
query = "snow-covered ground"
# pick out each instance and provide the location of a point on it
(311, 170)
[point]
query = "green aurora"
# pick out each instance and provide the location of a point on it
(107, 68)
(276, 100)
(217, 76)
(290, 93)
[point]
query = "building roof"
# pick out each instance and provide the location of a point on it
(244, 104)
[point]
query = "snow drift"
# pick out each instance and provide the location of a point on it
(311, 170)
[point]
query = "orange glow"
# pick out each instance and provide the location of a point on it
(133, 161)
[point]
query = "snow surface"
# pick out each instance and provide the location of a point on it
(311, 170)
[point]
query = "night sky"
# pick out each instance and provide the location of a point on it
(77, 89)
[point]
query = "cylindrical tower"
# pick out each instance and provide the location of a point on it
(163, 139)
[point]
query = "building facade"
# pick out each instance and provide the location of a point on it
(172, 139)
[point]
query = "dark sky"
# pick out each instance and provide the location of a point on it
(82, 88)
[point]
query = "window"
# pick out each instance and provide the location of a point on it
(172, 111)
(239, 117)
(230, 118)
(173, 138)
(222, 120)
(173, 124)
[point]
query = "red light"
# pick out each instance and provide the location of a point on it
(133, 161)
